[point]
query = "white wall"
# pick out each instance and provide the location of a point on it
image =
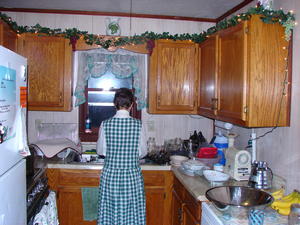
(161, 126)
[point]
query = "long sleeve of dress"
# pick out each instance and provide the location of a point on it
(101, 142)
(143, 143)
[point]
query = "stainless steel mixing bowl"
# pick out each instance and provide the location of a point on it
(238, 198)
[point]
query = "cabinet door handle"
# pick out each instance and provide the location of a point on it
(214, 104)
(180, 215)
(60, 97)
(158, 100)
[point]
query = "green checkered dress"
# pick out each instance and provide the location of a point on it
(121, 192)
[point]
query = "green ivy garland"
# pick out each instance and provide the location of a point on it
(287, 20)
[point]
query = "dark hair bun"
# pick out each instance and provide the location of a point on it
(123, 98)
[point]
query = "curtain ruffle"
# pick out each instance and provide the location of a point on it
(121, 63)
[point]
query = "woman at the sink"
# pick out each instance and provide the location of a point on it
(121, 140)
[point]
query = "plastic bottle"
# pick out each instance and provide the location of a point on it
(221, 143)
(88, 125)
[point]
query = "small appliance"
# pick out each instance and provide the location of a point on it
(261, 175)
(238, 162)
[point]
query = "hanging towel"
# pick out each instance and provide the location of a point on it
(90, 203)
(48, 214)
(21, 134)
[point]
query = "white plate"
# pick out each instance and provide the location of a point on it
(175, 164)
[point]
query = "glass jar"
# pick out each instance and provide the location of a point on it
(294, 217)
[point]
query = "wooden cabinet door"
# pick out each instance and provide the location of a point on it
(49, 72)
(70, 207)
(8, 37)
(155, 198)
(176, 209)
(232, 74)
(188, 218)
(207, 104)
(173, 78)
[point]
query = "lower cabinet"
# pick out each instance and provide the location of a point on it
(68, 183)
(186, 210)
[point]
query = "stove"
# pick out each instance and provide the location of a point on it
(37, 184)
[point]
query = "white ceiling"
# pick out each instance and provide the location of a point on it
(183, 8)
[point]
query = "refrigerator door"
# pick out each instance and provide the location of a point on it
(13, 195)
(12, 80)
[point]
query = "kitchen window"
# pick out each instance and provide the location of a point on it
(100, 74)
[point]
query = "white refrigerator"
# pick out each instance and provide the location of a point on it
(13, 138)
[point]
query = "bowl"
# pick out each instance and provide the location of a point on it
(215, 176)
(209, 161)
(237, 200)
(176, 160)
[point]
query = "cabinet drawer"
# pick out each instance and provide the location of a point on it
(153, 178)
(79, 177)
(193, 205)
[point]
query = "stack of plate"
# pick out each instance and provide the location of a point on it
(176, 160)
(193, 167)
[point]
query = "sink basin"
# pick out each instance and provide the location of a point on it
(238, 198)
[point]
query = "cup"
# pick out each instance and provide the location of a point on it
(256, 217)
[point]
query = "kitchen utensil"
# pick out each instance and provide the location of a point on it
(215, 176)
(261, 175)
(238, 199)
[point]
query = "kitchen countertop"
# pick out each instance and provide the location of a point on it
(196, 185)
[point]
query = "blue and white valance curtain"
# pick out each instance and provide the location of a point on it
(121, 63)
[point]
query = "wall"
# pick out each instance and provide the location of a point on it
(160, 126)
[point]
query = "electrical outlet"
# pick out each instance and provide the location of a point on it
(150, 125)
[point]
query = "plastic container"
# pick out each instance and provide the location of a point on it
(209, 161)
(207, 152)
(88, 125)
(221, 143)
(294, 217)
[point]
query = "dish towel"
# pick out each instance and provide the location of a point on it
(21, 134)
(48, 214)
(90, 203)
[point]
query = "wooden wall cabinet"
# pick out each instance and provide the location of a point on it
(8, 37)
(173, 76)
(67, 183)
(247, 75)
(207, 104)
(186, 210)
(49, 71)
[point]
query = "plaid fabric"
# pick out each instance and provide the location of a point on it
(121, 192)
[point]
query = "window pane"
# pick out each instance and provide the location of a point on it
(104, 98)
(108, 81)
(99, 113)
